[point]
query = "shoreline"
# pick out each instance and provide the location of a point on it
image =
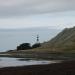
(63, 68)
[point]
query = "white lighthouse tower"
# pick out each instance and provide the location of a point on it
(37, 40)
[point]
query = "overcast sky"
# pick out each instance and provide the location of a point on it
(34, 13)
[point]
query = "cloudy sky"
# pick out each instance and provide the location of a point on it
(37, 13)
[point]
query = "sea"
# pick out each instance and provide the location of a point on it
(14, 62)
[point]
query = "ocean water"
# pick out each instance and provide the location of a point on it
(9, 62)
(11, 38)
(13, 62)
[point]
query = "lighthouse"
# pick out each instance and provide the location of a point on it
(37, 40)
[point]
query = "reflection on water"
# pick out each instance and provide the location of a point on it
(25, 59)
(7, 62)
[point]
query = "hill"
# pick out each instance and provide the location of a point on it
(61, 47)
(65, 40)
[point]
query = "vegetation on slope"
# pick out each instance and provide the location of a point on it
(65, 40)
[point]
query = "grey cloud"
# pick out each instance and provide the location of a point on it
(30, 7)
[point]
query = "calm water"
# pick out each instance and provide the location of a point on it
(10, 39)
(8, 62)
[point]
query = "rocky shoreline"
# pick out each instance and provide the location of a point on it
(64, 68)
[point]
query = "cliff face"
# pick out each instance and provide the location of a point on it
(65, 40)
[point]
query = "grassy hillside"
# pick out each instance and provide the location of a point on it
(65, 40)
